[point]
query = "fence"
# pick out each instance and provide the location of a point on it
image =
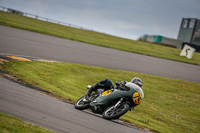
(5, 9)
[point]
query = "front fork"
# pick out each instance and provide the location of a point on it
(119, 102)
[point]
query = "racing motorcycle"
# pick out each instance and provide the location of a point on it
(112, 103)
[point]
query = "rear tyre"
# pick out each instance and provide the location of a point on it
(115, 113)
(81, 104)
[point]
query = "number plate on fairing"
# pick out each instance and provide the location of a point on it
(137, 98)
(106, 93)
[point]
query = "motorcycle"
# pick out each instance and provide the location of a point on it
(112, 103)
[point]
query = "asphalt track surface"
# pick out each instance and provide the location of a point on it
(26, 43)
(53, 114)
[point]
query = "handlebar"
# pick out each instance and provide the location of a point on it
(124, 88)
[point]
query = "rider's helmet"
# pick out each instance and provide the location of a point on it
(137, 81)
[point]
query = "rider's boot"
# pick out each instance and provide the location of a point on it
(88, 93)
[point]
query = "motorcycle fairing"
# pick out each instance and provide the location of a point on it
(103, 101)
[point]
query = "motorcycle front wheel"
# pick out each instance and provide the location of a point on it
(115, 113)
(81, 104)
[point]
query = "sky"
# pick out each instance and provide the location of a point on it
(124, 18)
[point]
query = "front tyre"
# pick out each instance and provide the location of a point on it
(81, 104)
(115, 113)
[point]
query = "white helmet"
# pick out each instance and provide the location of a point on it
(137, 81)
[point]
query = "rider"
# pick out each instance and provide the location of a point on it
(107, 84)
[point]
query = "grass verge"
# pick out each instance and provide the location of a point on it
(169, 105)
(156, 50)
(10, 124)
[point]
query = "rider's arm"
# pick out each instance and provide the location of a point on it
(120, 83)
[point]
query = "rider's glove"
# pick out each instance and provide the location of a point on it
(118, 83)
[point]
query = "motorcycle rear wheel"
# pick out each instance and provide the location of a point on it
(115, 113)
(80, 104)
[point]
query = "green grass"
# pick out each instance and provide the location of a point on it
(169, 105)
(156, 50)
(10, 124)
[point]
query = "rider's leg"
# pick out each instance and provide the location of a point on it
(105, 83)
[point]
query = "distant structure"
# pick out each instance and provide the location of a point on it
(162, 40)
(190, 31)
